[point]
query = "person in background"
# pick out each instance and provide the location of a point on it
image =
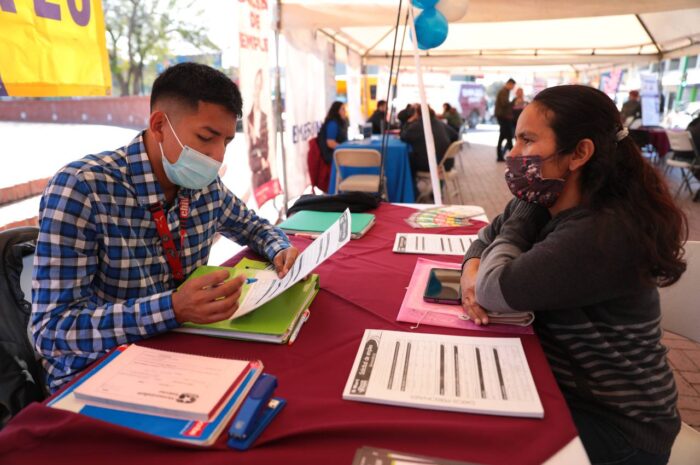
(580, 245)
(334, 130)
(121, 230)
(504, 115)
(378, 118)
(414, 135)
(518, 105)
(632, 108)
(405, 114)
(451, 117)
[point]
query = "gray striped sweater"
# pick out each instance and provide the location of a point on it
(596, 319)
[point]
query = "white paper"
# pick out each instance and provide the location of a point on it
(433, 244)
(165, 383)
(328, 243)
(435, 371)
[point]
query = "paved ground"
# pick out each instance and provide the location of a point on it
(483, 184)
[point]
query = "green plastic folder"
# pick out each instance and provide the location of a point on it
(278, 321)
(313, 222)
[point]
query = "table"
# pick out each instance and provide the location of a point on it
(397, 168)
(657, 138)
(362, 286)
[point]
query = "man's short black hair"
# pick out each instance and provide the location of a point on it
(510, 81)
(381, 102)
(190, 83)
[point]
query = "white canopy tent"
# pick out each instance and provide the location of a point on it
(523, 33)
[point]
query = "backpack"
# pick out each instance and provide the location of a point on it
(319, 170)
(21, 375)
(357, 202)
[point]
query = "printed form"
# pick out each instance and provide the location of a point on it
(440, 372)
(433, 244)
(328, 243)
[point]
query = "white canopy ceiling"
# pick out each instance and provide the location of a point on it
(512, 33)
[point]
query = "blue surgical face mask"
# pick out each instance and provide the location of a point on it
(193, 169)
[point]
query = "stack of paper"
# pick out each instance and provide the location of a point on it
(435, 371)
(177, 396)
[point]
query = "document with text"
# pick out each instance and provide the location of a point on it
(328, 243)
(440, 372)
(433, 244)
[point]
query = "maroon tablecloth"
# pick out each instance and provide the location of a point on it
(659, 139)
(361, 287)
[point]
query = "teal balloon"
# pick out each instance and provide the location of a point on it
(431, 29)
(424, 3)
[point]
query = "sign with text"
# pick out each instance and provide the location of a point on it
(258, 116)
(305, 102)
(53, 48)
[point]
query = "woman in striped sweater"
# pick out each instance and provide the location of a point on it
(591, 233)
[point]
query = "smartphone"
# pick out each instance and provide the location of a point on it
(443, 286)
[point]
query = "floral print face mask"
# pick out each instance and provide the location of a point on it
(525, 181)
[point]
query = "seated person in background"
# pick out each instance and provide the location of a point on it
(334, 130)
(378, 118)
(451, 117)
(632, 108)
(414, 135)
(121, 230)
(580, 245)
(405, 114)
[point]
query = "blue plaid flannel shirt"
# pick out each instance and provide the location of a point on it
(100, 276)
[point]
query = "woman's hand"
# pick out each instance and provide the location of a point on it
(468, 282)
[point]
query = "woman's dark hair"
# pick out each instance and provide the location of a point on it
(190, 83)
(334, 113)
(618, 180)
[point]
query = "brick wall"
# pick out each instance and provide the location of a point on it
(129, 112)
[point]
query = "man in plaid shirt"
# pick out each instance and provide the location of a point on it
(120, 230)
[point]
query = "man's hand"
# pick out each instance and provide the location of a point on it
(284, 260)
(468, 282)
(208, 298)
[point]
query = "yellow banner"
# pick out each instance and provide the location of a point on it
(53, 48)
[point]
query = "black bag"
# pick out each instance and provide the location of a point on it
(357, 202)
(21, 375)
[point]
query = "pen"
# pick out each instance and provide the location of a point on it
(250, 280)
(307, 236)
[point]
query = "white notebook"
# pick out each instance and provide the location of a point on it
(184, 386)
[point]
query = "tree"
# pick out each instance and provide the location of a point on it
(139, 31)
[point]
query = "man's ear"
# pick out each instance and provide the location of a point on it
(582, 153)
(156, 125)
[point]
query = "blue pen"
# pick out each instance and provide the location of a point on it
(250, 280)
(253, 406)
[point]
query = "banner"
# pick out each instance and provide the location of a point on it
(258, 116)
(305, 101)
(53, 49)
(650, 100)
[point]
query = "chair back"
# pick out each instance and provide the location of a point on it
(357, 158)
(679, 141)
(22, 376)
(452, 151)
(679, 302)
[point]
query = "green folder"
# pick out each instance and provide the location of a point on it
(313, 222)
(278, 321)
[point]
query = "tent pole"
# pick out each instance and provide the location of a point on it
(425, 114)
(278, 108)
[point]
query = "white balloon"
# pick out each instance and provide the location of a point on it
(452, 10)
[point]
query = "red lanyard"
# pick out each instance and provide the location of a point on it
(166, 237)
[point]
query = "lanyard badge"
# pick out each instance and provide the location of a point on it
(166, 237)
